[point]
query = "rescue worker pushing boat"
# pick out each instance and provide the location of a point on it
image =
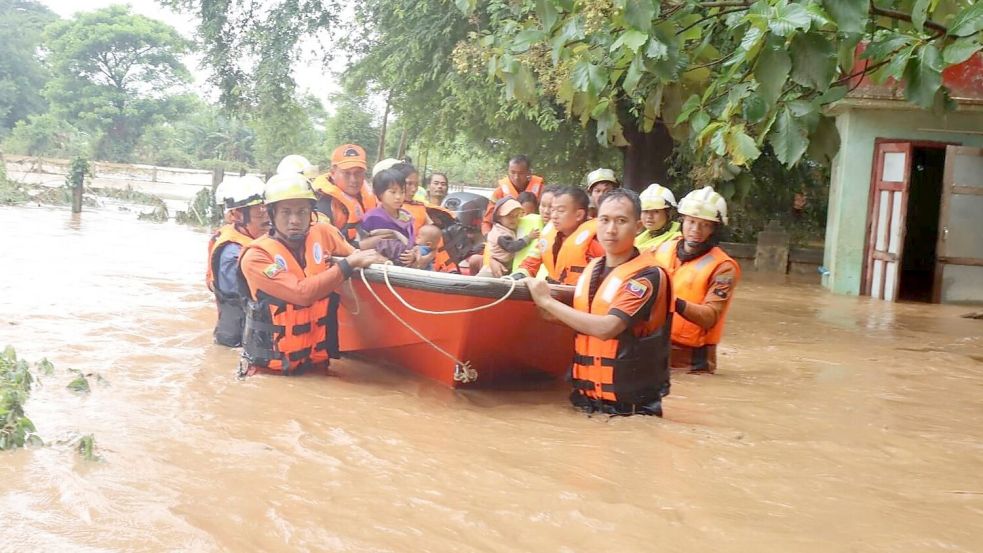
(242, 199)
(291, 313)
(703, 279)
(621, 314)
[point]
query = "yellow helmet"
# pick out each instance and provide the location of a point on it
(704, 203)
(657, 196)
(241, 191)
(287, 187)
(297, 164)
(601, 175)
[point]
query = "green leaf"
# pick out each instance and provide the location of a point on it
(598, 77)
(771, 72)
(895, 69)
(699, 121)
(526, 38)
(818, 15)
(741, 148)
(546, 11)
(923, 76)
(755, 109)
(919, 13)
(580, 76)
(824, 141)
(466, 6)
(653, 108)
(632, 39)
(787, 18)
(850, 15)
(967, 22)
(788, 138)
(719, 142)
(633, 75)
(751, 39)
(657, 50)
(834, 94)
(847, 51)
(640, 13)
(692, 104)
(600, 108)
(960, 51)
(878, 50)
(813, 60)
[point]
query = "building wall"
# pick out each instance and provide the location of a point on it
(859, 126)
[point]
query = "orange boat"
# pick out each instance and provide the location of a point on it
(461, 330)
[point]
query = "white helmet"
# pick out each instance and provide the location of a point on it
(704, 203)
(601, 175)
(240, 192)
(387, 163)
(657, 196)
(296, 164)
(221, 193)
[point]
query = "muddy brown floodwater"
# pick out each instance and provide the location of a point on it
(835, 424)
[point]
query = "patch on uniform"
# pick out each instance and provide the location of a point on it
(318, 253)
(720, 293)
(724, 279)
(636, 288)
(271, 270)
(280, 261)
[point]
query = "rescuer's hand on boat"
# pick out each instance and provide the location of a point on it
(539, 290)
(359, 259)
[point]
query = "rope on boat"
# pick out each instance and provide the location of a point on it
(385, 276)
(463, 372)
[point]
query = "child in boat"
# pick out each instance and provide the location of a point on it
(427, 242)
(501, 243)
(530, 204)
(389, 219)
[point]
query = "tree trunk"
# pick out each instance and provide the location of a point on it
(402, 145)
(646, 157)
(382, 131)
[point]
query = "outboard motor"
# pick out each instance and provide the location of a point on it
(463, 238)
(468, 208)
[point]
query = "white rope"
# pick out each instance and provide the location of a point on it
(462, 369)
(385, 276)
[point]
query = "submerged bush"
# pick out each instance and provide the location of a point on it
(16, 430)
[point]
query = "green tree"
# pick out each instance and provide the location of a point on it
(115, 73)
(728, 78)
(22, 76)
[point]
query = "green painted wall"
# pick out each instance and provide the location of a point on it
(846, 223)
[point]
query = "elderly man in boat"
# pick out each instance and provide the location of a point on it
(621, 316)
(291, 312)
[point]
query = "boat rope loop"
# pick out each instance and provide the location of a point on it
(385, 276)
(463, 371)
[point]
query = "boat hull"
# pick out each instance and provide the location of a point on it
(505, 344)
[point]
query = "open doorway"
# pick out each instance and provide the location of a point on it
(904, 220)
(922, 224)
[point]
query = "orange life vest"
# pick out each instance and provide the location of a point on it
(507, 189)
(691, 282)
(287, 338)
(329, 194)
(442, 262)
(571, 260)
(419, 212)
(633, 368)
(231, 315)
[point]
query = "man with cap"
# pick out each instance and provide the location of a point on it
(242, 198)
(658, 203)
(703, 281)
(599, 182)
(520, 179)
(291, 279)
(342, 194)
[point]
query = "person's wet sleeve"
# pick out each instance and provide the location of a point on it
(719, 294)
(228, 269)
(262, 273)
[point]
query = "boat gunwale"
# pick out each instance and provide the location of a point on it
(458, 285)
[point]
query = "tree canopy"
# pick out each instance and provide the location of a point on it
(22, 75)
(113, 73)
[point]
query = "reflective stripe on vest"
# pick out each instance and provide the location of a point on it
(691, 282)
(645, 240)
(283, 337)
(632, 368)
(572, 258)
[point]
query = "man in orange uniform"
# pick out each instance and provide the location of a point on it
(520, 180)
(243, 201)
(703, 279)
(622, 318)
(291, 316)
(342, 194)
(567, 247)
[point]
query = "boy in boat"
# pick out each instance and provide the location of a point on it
(502, 243)
(622, 318)
(399, 245)
(291, 313)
